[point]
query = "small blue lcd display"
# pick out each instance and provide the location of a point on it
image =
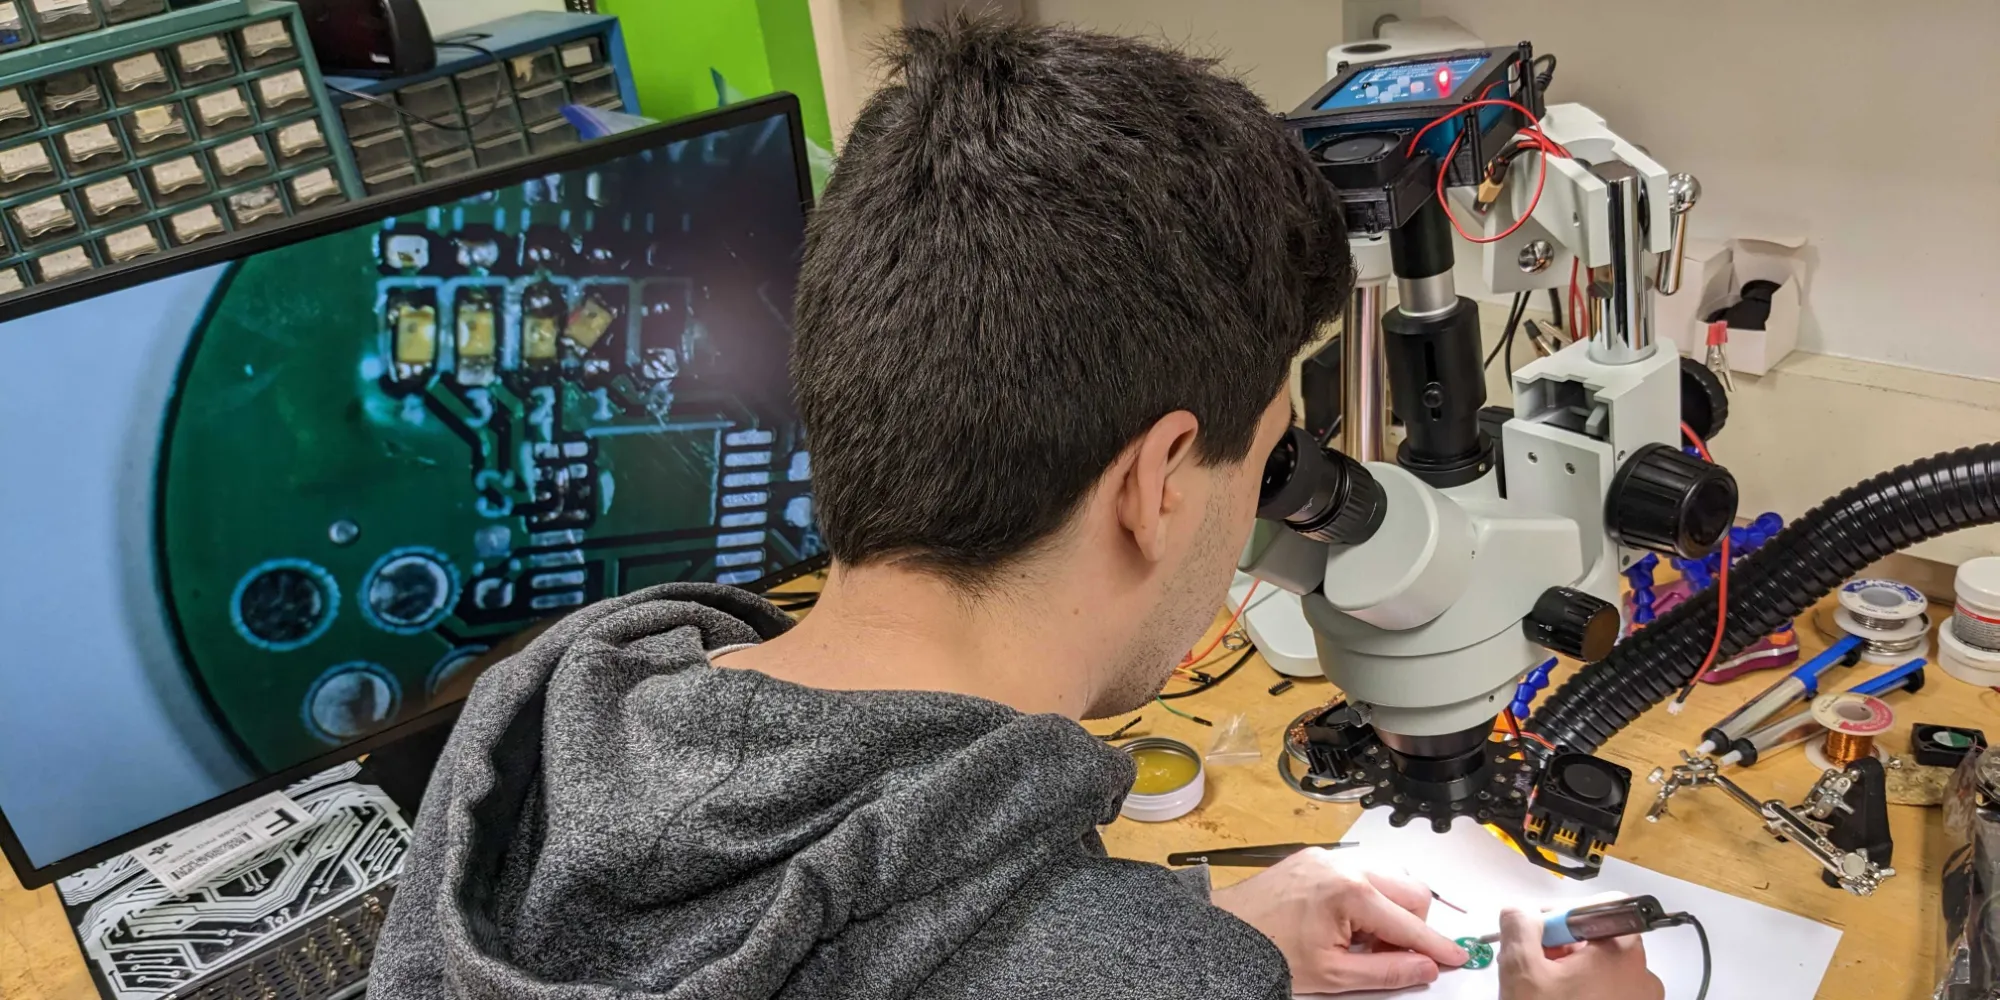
(1403, 82)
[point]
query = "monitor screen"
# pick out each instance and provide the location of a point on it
(264, 508)
(1430, 80)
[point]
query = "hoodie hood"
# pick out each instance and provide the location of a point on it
(615, 817)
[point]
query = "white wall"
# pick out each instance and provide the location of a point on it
(1866, 127)
(447, 16)
(1778, 107)
(1277, 46)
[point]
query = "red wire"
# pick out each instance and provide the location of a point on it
(1226, 629)
(1541, 141)
(1520, 734)
(1721, 585)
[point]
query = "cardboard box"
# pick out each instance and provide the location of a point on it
(1713, 278)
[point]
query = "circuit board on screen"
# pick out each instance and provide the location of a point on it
(391, 447)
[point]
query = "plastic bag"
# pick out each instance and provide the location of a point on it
(1969, 962)
(1235, 743)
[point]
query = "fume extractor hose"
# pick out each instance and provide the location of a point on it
(1805, 562)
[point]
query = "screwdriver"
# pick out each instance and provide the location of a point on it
(1802, 682)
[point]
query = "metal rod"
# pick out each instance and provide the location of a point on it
(1621, 309)
(1364, 388)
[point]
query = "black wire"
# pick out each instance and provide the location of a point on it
(499, 91)
(1331, 430)
(1707, 961)
(1213, 681)
(1556, 308)
(1543, 76)
(1507, 338)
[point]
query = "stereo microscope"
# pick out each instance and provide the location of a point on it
(1433, 579)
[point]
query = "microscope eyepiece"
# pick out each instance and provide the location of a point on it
(1318, 492)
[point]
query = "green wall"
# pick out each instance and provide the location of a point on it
(677, 46)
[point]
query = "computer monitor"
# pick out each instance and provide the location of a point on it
(265, 503)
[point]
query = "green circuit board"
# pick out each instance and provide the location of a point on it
(392, 446)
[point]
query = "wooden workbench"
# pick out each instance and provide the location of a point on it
(1887, 948)
(1888, 942)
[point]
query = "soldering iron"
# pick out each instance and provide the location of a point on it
(1612, 919)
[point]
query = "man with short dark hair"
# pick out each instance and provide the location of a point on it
(1047, 312)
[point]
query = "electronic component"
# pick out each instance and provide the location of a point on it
(194, 224)
(313, 186)
(37, 219)
(138, 77)
(412, 322)
(26, 166)
(255, 204)
(157, 127)
(541, 323)
(1944, 746)
(1578, 806)
(176, 179)
(588, 324)
(266, 43)
(120, 11)
(70, 95)
(202, 60)
(105, 198)
(64, 263)
(478, 341)
(15, 115)
(300, 138)
(218, 110)
(278, 91)
(62, 18)
(82, 145)
(130, 244)
(238, 157)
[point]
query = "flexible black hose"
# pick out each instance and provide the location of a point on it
(1805, 562)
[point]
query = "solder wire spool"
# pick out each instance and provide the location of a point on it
(1889, 617)
(1969, 642)
(1852, 722)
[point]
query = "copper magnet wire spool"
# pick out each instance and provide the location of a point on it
(1852, 722)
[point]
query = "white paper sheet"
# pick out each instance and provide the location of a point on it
(1760, 953)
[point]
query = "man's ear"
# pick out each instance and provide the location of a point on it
(1150, 492)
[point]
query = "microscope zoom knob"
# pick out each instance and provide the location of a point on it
(1671, 503)
(1573, 623)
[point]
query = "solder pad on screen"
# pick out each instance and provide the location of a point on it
(389, 448)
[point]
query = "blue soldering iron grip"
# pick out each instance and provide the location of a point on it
(1555, 930)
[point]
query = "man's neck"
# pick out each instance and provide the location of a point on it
(893, 628)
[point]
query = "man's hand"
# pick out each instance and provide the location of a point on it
(1314, 908)
(1612, 968)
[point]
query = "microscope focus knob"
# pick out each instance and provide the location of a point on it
(1573, 623)
(1704, 401)
(1669, 502)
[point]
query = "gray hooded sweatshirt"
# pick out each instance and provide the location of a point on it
(616, 818)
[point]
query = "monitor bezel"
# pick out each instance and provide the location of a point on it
(362, 212)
